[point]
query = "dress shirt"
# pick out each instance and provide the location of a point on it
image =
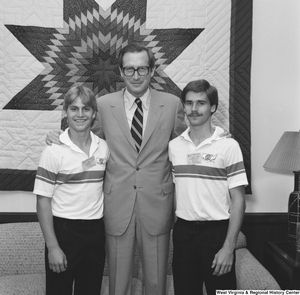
(130, 107)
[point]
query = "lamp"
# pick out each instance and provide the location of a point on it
(286, 157)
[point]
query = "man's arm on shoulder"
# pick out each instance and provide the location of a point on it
(180, 123)
(97, 124)
(224, 258)
(53, 137)
(226, 134)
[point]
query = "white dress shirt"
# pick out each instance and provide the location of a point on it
(130, 107)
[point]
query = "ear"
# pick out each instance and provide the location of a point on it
(153, 71)
(213, 108)
(121, 73)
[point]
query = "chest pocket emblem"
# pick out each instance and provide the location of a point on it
(101, 161)
(209, 157)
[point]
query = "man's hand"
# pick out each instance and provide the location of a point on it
(226, 134)
(223, 262)
(57, 260)
(53, 137)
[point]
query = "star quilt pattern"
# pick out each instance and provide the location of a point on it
(50, 45)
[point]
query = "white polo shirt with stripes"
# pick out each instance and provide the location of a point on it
(73, 179)
(204, 174)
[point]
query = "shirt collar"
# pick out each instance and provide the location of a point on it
(185, 134)
(216, 135)
(65, 139)
(130, 99)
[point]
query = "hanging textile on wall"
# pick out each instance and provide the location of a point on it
(50, 45)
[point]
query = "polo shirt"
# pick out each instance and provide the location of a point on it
(75, 186)
(204, 174)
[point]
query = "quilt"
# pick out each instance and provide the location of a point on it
(48, 45)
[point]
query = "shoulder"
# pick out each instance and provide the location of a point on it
(167, 97)
(230, 141)
(101, 142)
(54, 148)
(219, 136)
(174, 142)
(107, 97)
(52, 153)
(228, 146)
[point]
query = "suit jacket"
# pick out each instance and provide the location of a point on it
(145, 177)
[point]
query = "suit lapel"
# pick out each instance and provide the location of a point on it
(117, 108)
(155, 111)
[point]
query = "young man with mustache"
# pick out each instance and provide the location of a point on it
(209, 177)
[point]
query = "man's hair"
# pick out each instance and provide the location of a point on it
(202, 86)
(84, 93)
(137, 47)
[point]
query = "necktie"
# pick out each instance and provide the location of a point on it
(137, 125)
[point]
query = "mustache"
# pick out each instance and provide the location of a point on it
(193, 114)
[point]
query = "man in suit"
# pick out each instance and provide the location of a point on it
(138, 186)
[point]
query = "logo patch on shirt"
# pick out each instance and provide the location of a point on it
(101, 161)
(209, 157)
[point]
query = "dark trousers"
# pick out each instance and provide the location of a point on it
(195, 246)
(83, 242)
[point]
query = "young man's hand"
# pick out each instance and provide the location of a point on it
(223, 262)
(57, 260)
(53, 137)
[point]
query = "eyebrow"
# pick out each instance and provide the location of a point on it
(201, 100)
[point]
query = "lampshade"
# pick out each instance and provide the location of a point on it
(286, 157)
(286, 154)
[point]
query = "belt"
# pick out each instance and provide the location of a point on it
(203, 223)
(77, 221)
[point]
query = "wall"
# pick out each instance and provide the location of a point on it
(275, 103)
(275, 96)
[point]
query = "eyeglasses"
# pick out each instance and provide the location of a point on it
(129, 71)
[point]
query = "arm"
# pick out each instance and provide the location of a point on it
(226, 134)
(57, 258)
(173, 176)
(180, 124)
(224, 258)
(97, 125)
(53, 137)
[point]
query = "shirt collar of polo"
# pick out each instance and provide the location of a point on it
(65, 139)
(129, 98)
(216, 135)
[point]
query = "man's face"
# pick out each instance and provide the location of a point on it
(137, 85)
(197, 108)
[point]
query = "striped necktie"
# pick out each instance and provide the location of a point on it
(137, 125)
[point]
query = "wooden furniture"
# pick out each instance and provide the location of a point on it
(284, 264)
